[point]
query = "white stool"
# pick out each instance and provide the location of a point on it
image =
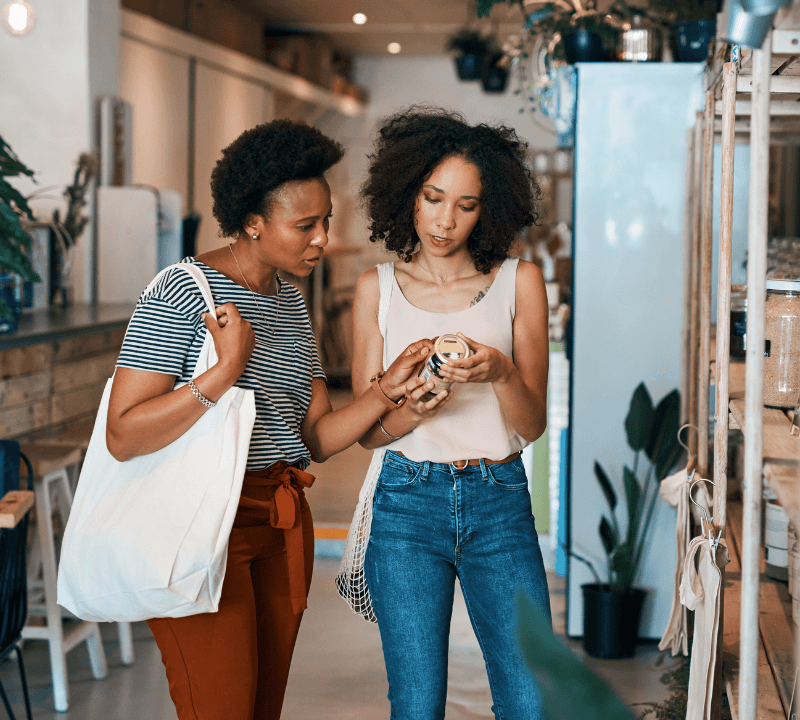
(50, 470)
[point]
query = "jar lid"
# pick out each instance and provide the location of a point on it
(451, 347)
(785, 285)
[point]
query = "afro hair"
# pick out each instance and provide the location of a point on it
(259, 161)
(412, 143)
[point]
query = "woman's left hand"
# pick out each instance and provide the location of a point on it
(485, 365)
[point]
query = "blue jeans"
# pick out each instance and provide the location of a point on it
(432, 523)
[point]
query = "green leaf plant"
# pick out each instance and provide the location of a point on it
(568, 688)
(652, 436)
(13, 206)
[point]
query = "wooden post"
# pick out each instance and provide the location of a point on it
(706, 240)
(723, 353)
(694, 310)
(724, 296)
(688, 175)
(754, 381)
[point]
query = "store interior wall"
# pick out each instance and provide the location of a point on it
(50, 80)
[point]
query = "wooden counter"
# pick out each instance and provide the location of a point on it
(48, 325)
(54, 368)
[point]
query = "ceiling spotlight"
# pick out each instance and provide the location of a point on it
(19, 17)
(359, 18)
(394, 48)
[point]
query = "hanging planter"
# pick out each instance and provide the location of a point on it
(583, 45)
(494, 76)
(692, 26)
(469, 48)
(469, 66)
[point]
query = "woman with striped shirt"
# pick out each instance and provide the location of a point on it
(271, 197)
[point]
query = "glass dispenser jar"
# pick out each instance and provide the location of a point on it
(738, 320)
(782, 346)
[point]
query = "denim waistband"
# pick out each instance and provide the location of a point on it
(428, 465)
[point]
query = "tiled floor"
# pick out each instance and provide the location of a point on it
(337, 672)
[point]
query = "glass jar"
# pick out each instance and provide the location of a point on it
(782, 346)
(446, 347)
(738, 320)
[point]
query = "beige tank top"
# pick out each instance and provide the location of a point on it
(471, 425)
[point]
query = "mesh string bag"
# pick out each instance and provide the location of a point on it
(350, 580)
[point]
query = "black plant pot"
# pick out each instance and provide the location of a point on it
(693, 39)
(493, 78)
(469, 66)
(583, 45)
(611, 621)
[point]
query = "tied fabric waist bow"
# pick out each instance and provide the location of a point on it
(285, 514)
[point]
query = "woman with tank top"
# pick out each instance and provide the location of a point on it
(273, 202)
(452, 498)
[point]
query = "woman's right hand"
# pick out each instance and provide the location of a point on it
(416, 388)
(234, 338)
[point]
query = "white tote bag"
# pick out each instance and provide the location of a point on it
(148, 537)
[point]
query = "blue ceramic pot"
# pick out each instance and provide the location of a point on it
(694, 37)
(469, 67)
(10, 292)
(493, 78)
(582, 45)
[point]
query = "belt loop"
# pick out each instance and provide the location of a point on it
(426, 468)
(482, 463)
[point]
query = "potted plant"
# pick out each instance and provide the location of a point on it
(612, 609)
(694, 23)
(494, 75)
(65, 232)
(13, 239)
(470, 48)
(587, 35)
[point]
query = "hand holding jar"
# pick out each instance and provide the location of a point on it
(483, 365)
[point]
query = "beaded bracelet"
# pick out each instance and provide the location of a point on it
(391, 437)
(202, 398)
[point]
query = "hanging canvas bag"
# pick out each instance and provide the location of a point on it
(148, 537)
(351, 581)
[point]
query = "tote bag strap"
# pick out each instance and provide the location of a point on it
(385, 280)
(208, 354)
(197, 275)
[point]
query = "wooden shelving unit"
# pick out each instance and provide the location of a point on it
(745, 89)
(775, 647)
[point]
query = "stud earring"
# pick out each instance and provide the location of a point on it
(255, 237)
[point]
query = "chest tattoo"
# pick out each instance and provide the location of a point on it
(480, 296)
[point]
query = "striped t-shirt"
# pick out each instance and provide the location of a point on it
(166, 333)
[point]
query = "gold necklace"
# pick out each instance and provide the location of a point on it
(439, 277)
(255, 299)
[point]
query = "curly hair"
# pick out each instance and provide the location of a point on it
(253, 167)
(412, 143)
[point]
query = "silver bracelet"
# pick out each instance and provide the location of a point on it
(391, 437)
(202, 398)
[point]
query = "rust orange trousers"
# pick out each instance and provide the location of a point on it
(234, 664)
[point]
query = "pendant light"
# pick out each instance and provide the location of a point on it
(19, 17)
